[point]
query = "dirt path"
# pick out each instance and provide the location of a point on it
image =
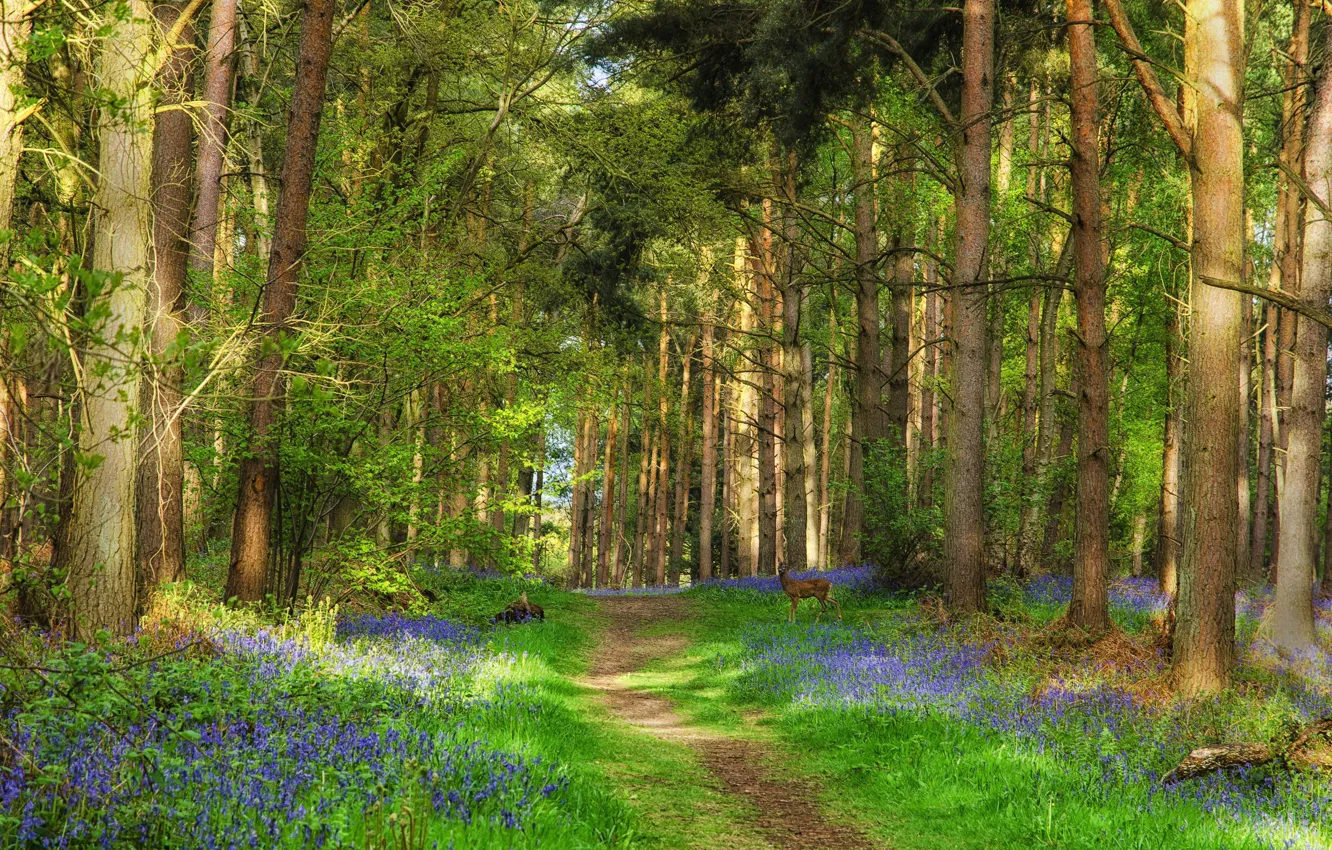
(785, 811)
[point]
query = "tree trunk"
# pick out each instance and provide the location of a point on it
(622, 493)
(1286, 250)
(98, 551)
(15, 26)
(768, 546)
(1139, 532)
(604, 564)
(867, 420)
(683, 463)
(1204, 645)
(647, 465)
(1168, 540)
(728, 482)
(809, 454)
(587, 557)
(1292, 618)
(258, 471)
(1091, 556)
(745, 417)
(964, 508)
(219, 65)
(929, 407)
(794, 526)
(904, 265)
(708, 485)
(825, 462)
(159, 497)
(1266, 426)
(1243, 529)
(576, 505)
(662, 513)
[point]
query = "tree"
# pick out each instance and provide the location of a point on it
(258, 471)
(1088, 608)
(964, 514)
(1292, 620)
(98, 540)
(1209, 134)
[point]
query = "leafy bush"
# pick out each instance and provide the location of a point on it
(901, 535)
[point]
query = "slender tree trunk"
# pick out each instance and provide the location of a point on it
(964, 509)
(1244, 530)
(604, 563)
(1286, 250)
(622, 493)
(1139, 533)
(1091, 557)
(684, 461)
(825, 462)
(1030, 388)
(160, 501)
(219, 67)
(708, 492)
(795, 391)
(646, 468)
(768, 546)
(1204, 646)
(929, 410)
(1266, 422)
(1292, 618)
(258, 472)
(810, 455)
(728, 483)
(867, 419)
(904, 265)
(660, 524)
(745, 439)
(538, 496)
(576, 506)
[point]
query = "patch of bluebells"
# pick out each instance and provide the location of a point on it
(850, 580)
(274, 742)
(1088, 724)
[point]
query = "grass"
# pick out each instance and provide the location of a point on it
(925, 779)
(927, 734)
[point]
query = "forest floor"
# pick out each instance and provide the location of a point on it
(787, 812)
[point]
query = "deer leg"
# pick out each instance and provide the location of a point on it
(838, 607)
(795, 600)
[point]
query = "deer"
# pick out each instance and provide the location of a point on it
(810, 588)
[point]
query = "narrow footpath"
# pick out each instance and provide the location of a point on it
(786, 812)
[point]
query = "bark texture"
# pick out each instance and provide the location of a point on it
(964, 511)
(160, 498)
(1292, 619)
(1091, 548)
(258, 471)
(97, 548)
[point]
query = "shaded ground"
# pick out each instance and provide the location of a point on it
(784, 811)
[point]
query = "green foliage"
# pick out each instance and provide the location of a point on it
(902, 535)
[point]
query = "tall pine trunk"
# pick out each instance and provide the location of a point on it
(219, 67)
(707, 504)
(1204, 645)
(258, 471)
(1091, 549)
(1292, 618)
(97, 553)
(160, 498)
(867, 420)
(964, 510)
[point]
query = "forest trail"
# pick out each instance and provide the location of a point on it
(785, 811)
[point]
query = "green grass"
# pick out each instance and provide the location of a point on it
(916, 780)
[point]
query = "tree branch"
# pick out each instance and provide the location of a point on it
(891, 43)
(1142, 66)
(1276, 296)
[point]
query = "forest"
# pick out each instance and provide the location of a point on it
(665, 423)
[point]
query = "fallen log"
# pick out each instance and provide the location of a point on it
(1209, 759)
(1296, 755)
